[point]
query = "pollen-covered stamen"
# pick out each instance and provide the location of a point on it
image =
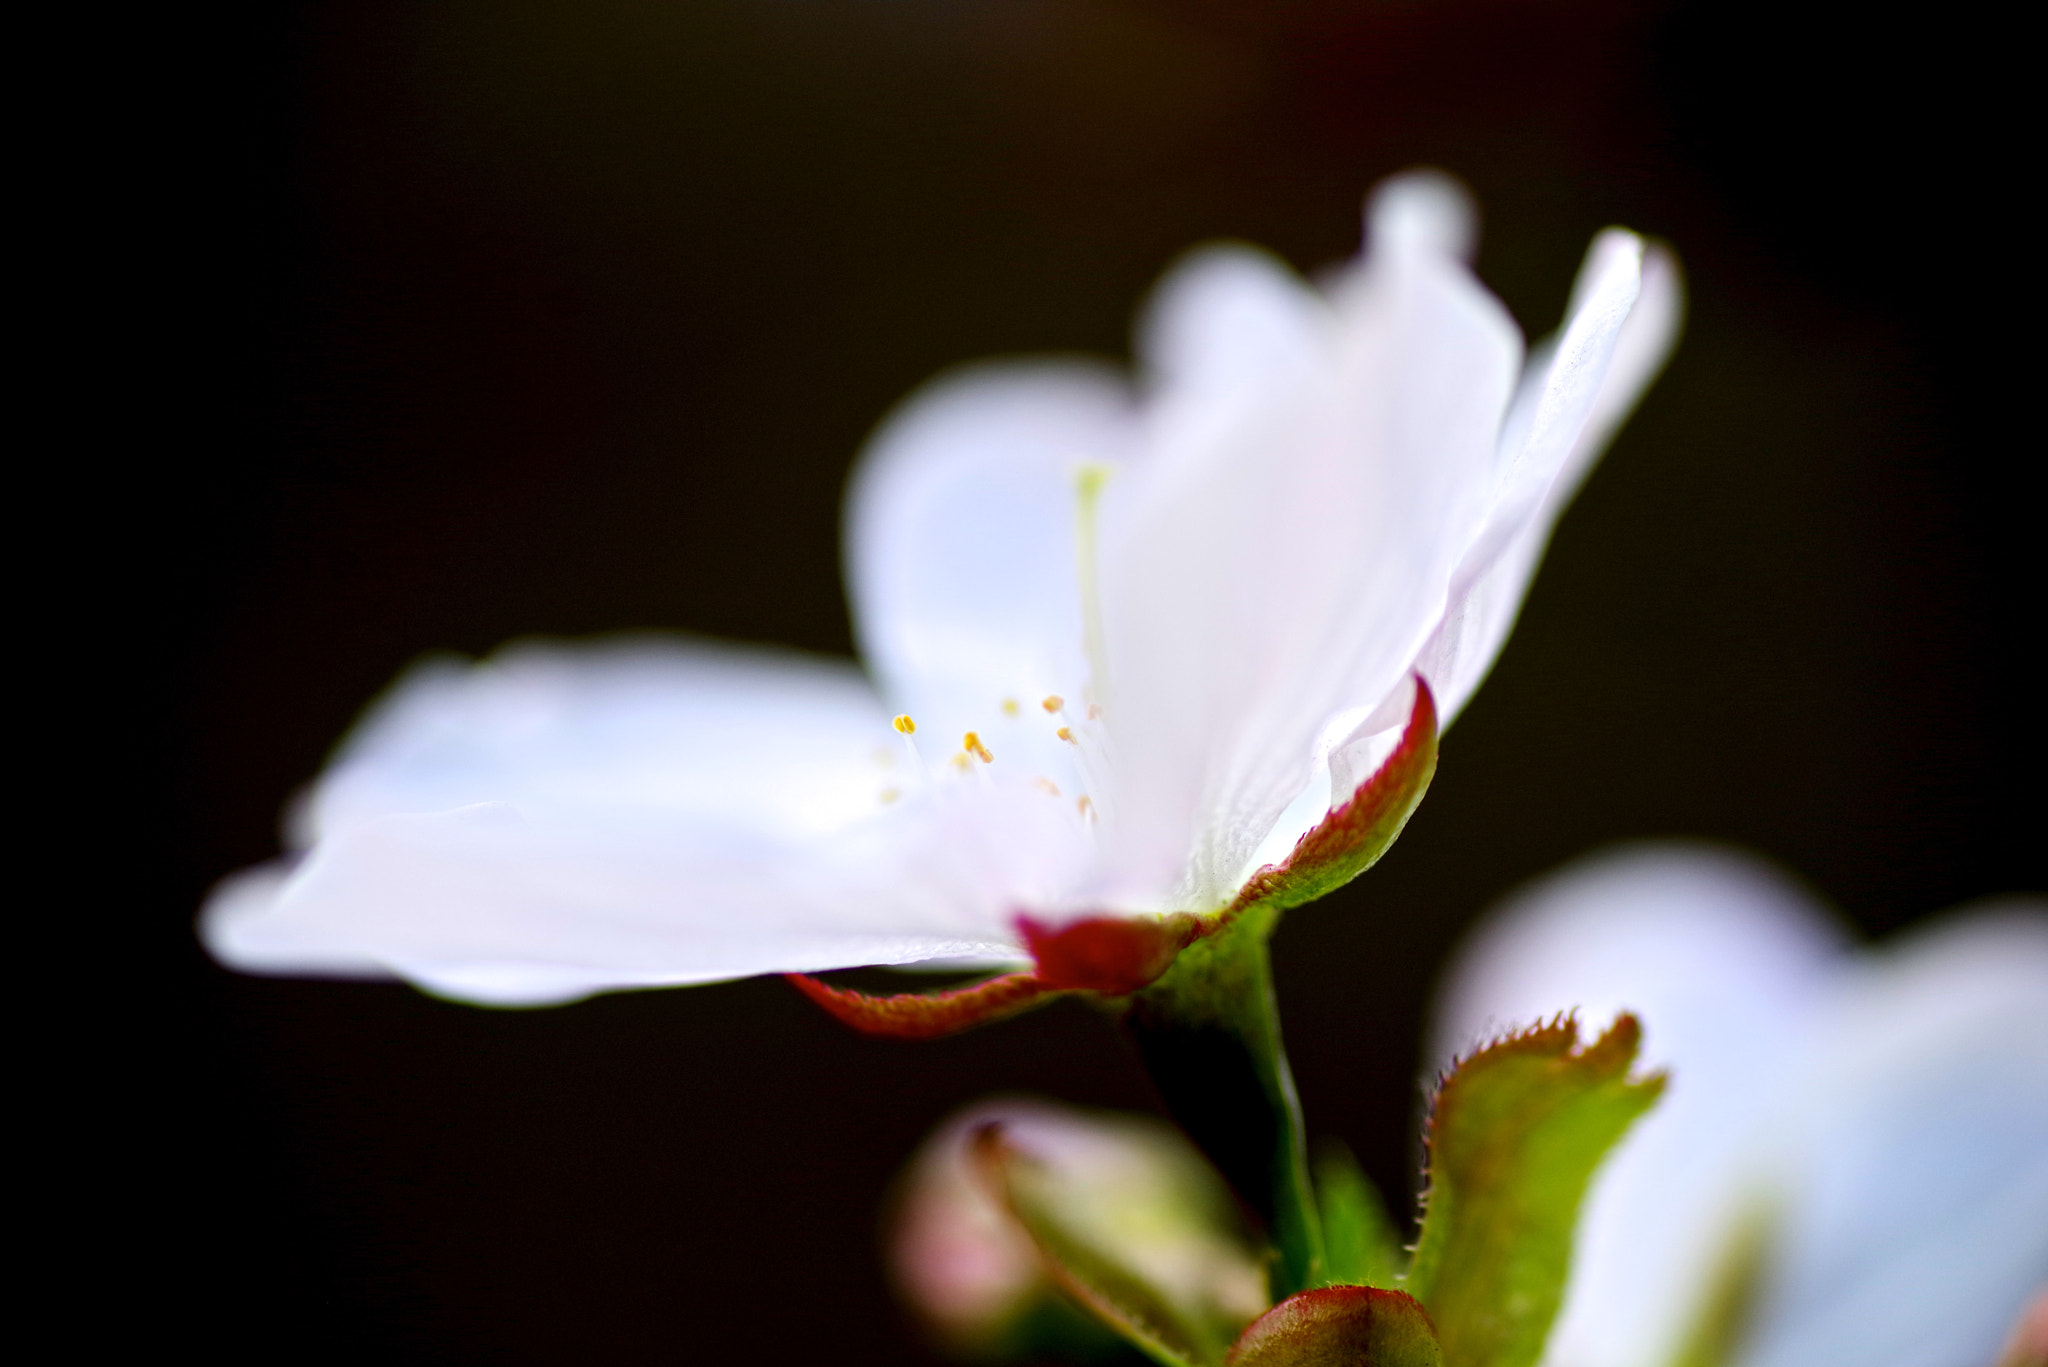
(889, 795)
(961, 762)
(1085, 808)
(1046, 786)
(971, 744)
(1066, 733)
(1053, 703)
(907, 729)
(1010, 707)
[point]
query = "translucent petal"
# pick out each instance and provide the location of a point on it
(961, 552)
(1576, 390)
(634, 730)
(1915, 1157)
(1283, 554)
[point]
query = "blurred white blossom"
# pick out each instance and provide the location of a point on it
(1142, 630)
(1870, 1127)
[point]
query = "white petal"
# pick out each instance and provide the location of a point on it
(1916, 1157)
(1725, 963)
(638, 730)
(1284, 555)
(961, 552)
(1577, 389)
(485, 904)
(559, 821)
(1425, 211)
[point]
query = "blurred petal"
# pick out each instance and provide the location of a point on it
(1282, 557)
(1916, 1161)
(1722, 959)
(961, 551)
(1887, 1112)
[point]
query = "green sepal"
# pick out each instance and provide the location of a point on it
(1087, 1260)
(1360, 1244)
(1360, 828)
(1340, 1326)
(1515, 1133)
(1209, 1034)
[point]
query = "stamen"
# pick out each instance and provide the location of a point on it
(1088, 482)
(1085, 807)
(1053, 703)
(1046, 786)
(1066, 733)
(1010, 708)
(904, 725)
(971, 743)
(889, 795)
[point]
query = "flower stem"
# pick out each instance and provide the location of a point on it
(1209, 1034)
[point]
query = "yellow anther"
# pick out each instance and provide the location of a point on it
(1010, 708)
(904, 725)
(1053, 702)
(1066, 734)
(1085, 807)
(971, 743)
(960, 761)
(1094, 710)
(1046, 786)
(889, 795)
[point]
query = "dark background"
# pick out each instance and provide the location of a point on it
(475, 321)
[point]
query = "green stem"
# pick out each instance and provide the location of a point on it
(1209, 1034)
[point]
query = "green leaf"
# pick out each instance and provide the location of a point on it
(1515, 1133)
(1209, 1034)
(1136, 1233)
(1360, 1244)
(1340, 1326)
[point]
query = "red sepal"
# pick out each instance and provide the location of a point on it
(927, 1015)
(1110, 954)
(1340, 1326)
(1348, 840)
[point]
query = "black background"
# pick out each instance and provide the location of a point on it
(476, 321)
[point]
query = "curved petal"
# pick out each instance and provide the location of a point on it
(1724, 961)
(555, 822)
(636, 729)
(1576, 390)
(1282, 556)
(961, 552)
(1915, 1158)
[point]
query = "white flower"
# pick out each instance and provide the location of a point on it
(1218, 583)
(1875, 1122)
